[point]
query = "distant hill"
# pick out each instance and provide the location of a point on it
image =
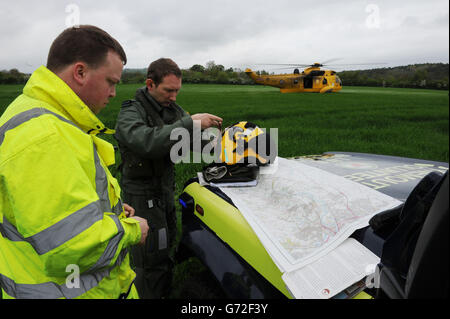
(428, 75)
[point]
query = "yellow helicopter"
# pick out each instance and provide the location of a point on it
(311, 79)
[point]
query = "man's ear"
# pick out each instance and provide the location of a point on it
(150, 84)
(79, 73)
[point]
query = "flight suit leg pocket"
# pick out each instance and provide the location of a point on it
(157, 239)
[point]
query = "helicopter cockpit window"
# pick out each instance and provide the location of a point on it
(324, 82)
(317, 73)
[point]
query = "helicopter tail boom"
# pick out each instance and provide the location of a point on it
(270, 80)
(252, 74)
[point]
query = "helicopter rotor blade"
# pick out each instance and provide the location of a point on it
(345, 64)
(330, 60)
(323, 63)
(326, 63)
(285, 68)
(285, 64)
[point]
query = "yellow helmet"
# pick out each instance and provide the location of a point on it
(246, 143)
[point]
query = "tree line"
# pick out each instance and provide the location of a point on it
(13, 76)
(428, 75)
(211, 73)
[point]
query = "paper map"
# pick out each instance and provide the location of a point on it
(301, 213)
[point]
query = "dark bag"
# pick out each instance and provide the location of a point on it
(399, 246)
(236, 173)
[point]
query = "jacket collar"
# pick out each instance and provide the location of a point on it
(46, 86)
(143, 96)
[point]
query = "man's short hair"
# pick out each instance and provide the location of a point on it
(85, 43)
(160, 68)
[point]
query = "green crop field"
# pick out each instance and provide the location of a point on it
(402, 122)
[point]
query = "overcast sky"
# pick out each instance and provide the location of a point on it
(236, 33)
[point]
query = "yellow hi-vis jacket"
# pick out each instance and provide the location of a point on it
(63, 233)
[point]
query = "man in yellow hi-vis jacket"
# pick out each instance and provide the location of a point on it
(64, 231)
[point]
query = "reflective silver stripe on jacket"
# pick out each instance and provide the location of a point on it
(101, 183)
(111, 248)
(51, 290)
(58, 233)
(25, 116)
(118, 208)
(66, 229)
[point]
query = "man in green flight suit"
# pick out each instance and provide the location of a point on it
(143, 130)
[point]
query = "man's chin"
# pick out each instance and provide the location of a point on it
(98, 109)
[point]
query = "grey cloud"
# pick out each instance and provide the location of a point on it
(234, 33)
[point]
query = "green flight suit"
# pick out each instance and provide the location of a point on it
(148, 182)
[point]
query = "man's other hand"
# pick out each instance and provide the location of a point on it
(129, 211)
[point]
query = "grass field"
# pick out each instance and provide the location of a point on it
(401, 122)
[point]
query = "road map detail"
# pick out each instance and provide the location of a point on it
(300, 212)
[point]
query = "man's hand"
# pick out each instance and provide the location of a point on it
(144, 228)
(207, 120)
(129, 211)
